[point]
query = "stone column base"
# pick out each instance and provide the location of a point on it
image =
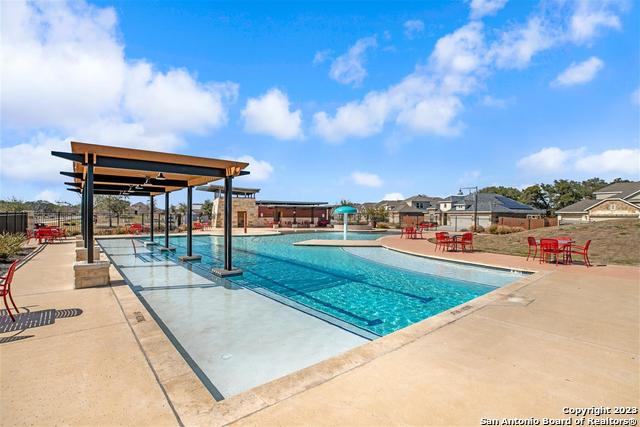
(91, 275)
(80, 243)
(81, 254)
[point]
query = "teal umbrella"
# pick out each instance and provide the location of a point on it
(345, 210)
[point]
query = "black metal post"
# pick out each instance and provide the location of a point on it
(83, 230)
(189, 221)
(166, 220)
(89, 209)
(475, 213)
(228, 200)
(151, 215)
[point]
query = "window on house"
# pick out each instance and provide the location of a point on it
(612, 206)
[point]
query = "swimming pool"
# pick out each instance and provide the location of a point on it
(374, 289)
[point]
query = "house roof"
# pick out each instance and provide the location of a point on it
(406, 209)
(490, 202)
(579, 207)
(422, 198)
(622, 189)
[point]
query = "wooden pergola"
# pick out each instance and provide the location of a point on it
(100, 169)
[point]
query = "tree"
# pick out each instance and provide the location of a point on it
(375, 213)
(589, 186)
(510, 192)
(113, 205)
(207, 208)
(535, 196)
(345, 202)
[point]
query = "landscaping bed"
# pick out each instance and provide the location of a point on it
(12, 248)
(613, 242)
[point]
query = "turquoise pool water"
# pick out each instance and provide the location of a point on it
(375, 289)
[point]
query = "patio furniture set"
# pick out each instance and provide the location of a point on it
(454, 242)
(561, 248)
(47, 234)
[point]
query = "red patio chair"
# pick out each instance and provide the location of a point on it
(582, 250)
(6, 289)
(406, 231)
(466, 241)
(135, 228)
(443, 241)
(44, 233)
(549, 247)
(533, 247)
(417, 231)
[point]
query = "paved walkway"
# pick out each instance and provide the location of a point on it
(85, 368)
(566, 338)
(570, 338)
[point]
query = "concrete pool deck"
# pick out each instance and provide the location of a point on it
(566, 337)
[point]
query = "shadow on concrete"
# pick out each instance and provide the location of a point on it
(32, 319)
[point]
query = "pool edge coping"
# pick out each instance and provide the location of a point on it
(195, 404)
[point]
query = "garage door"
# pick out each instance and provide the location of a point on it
(462, 221)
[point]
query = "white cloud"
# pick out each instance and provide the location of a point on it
(270, 115)
(48, 195)
(366, 179)
(625, 161)
(517, 45)
(260, 170)
(348, 68)
(425, 102)
(480, 8)
(65, 74)
(19, 161)
(590, 16)
(413, 27)
(553, 160)
(580, 73)
(549, 160)
(430, 100)
(321, 56)
(393, 196)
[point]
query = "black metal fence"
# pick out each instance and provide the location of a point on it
(13, 222)
(103, 221)
(67, 220)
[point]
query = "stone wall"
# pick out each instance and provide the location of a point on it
(238, 205)
(614, 209)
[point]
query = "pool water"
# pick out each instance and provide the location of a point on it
(375, 289)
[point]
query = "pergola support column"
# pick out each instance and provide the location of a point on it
(151, 212)
(166, 220)
(228, 269)
(190, 256)
(89, 209)
(83, 213)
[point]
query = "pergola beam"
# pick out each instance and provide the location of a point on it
(118, 179)
(112, 192)
(144, 165)
(120, 187)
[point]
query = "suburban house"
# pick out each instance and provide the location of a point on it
(410, 211)
(615, 201)
(458, 211)
(138, 208)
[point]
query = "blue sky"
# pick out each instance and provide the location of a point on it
(328, 100)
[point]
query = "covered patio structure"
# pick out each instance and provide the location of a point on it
(107, 170)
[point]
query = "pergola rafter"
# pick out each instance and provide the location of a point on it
(99, 169)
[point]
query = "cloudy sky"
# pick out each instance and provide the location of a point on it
(327, 100)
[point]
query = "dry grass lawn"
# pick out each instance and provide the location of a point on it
(613, 242)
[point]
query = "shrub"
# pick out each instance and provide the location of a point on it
(503, 229)
(479, 229)
(10, 244)
(383, 226)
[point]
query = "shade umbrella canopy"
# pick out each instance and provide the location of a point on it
(345, 210)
